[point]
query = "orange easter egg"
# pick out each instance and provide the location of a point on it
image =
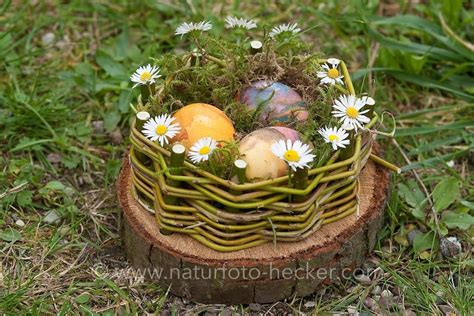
(199, 120)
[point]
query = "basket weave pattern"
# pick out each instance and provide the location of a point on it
(227, 216)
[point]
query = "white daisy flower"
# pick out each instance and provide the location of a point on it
(186, 28)
(337, 137)
(145, 75)
(160, 128)
(348, 110)
(331, 74)
(232, 22)
(282, 28)
(296, 154)
(202, 149)
(368, 100)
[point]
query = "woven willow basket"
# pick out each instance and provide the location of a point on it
(227, 216)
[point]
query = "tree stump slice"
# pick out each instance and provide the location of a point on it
(262, 274)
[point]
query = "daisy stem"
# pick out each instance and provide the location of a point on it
(348, 152)
(341, 88)
(145, 92)
(240, 167)
(211, 165)
(300, 182)
(134, 109)
(175, 168)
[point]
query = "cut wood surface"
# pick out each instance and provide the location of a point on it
(263, 274)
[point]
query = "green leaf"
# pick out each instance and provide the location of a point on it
(445, 193)
(424, 241)
(412, 195)
(111, 120)
(468, 204)
(457, 220)
(124, 101)
(111, 67)
(24, 198)
(82, 299)
(55, 185)
(10, 235)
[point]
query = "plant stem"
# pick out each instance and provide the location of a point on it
(145, 92)
(384, 163)
(300, 181)
(176, 168)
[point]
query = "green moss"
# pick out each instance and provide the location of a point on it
(214, 71)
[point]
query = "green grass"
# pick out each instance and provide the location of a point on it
(64, 105)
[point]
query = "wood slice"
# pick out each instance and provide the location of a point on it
(263, 274)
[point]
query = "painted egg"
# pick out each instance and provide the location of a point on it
(256, 151)
(280, 102)
(198, 120)
(291, 134)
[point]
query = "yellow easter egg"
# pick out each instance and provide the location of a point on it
(255, 149)
(199, 120)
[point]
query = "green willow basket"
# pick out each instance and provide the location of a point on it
(227, 216)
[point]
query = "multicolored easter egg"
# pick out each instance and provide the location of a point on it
(198, 120)
(280, 102)
(256, 151)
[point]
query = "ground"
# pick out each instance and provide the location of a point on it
(64, 108)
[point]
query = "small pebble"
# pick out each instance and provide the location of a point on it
(386, 293)
(309, 304)
(54, 157)
(370, 303)
(363, 279)
(48, 39)
(450, 247)
(20, 223)
(51, 217)
(352, 310)
(98, 127)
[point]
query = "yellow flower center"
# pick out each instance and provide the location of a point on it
(333, 73)
(145, 76)
(352, 112)
(291, 155)
(204, 150)
(333, 138)
(161, 130)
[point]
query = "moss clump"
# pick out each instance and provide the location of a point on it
(216, 70)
